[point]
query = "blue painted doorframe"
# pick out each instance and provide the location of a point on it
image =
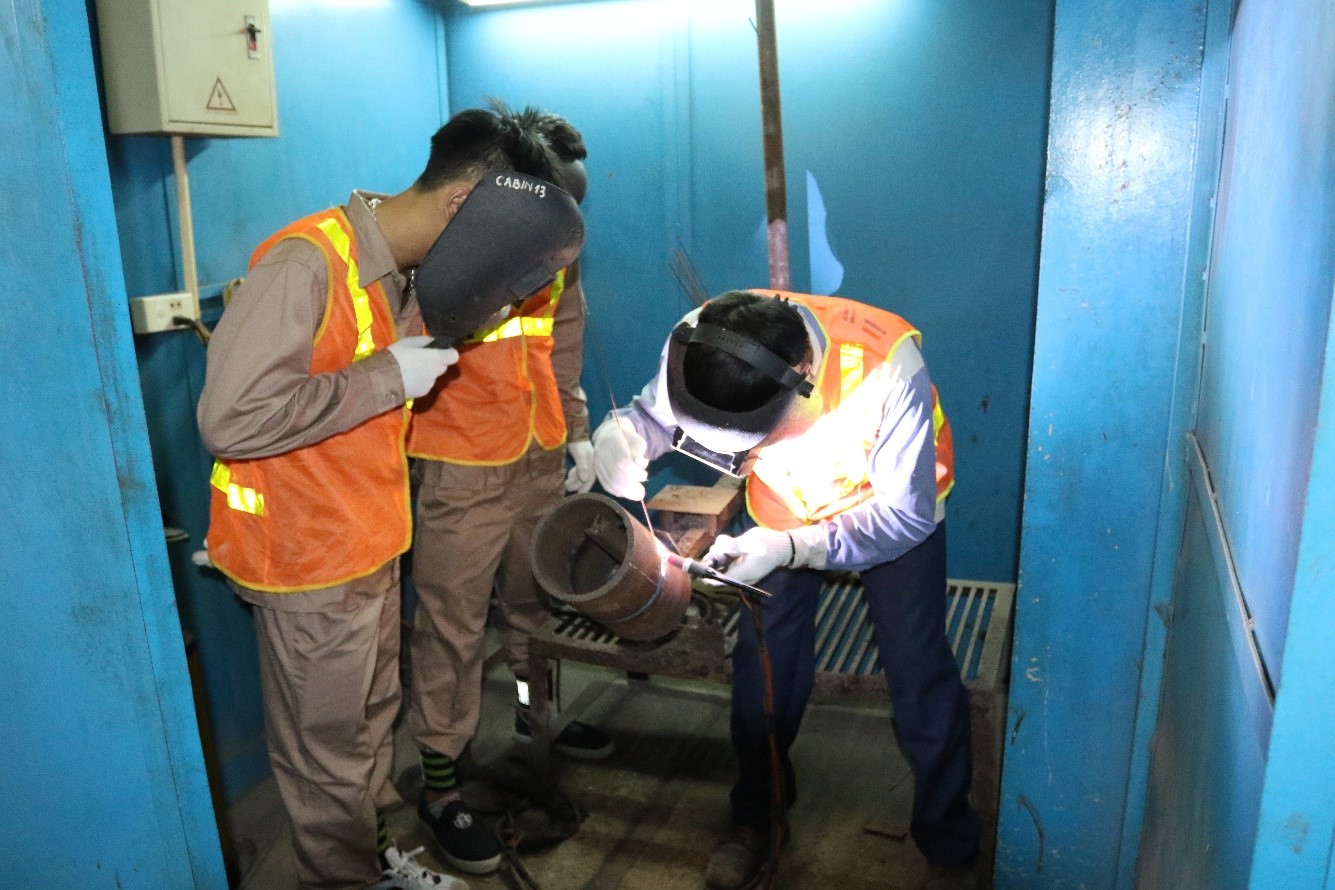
(102, 776)
(1116, 233)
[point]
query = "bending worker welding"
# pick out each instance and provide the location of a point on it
(826, 407)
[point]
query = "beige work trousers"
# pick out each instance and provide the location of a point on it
(474, 531)
(329, 671)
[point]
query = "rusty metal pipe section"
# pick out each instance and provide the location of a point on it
(592, 554)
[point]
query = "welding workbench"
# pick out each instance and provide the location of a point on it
(979, 619)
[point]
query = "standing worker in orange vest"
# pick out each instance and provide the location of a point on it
(490, 444)
(826, 407)
(305, 409)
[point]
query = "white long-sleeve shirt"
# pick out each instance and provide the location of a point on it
(901, 467)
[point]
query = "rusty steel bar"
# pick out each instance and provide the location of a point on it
(776, 189)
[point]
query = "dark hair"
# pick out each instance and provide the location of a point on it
(563, 140)
(723, 381)
(560, 135)
(479, 139)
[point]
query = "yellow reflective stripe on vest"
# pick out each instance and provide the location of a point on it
(525, 325)
(528, 325)
(247, 500)
(558, 288)
(938, 421)
(850, 368)
(361, 300)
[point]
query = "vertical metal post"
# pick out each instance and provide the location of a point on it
(776, 194)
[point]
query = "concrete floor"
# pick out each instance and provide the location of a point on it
(659, 803)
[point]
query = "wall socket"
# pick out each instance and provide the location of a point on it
(149, 315)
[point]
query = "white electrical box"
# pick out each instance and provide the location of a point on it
(149, 315)
(188, 67)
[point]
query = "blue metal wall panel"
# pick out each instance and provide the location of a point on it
(102, 776)
(1266, 335)
(1186, 386)
(921, 124)
(1297, 825)
(1285, 265)
(344, 124)
(1270, 294)
(928, 147)
(1116, 219)
(1214, 723)
(616, 70)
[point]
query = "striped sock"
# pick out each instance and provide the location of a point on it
(438, 773)
(381, 836)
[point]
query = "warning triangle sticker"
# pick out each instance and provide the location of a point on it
(219, 100)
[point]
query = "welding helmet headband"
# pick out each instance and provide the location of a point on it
(507, 240)
(712, 435)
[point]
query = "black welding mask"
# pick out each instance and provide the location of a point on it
(723, 439)
(508, 239)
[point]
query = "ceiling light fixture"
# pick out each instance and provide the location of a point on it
(495, 2)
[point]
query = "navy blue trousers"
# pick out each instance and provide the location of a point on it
(906, 601)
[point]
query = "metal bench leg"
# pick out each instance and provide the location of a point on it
(540, 718)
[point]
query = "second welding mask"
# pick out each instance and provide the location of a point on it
(718, 438)
(507, 241)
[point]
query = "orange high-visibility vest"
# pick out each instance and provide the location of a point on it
(824, 472)
(501, 396)
(331, 512)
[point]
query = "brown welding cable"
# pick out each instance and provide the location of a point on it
(778, 805)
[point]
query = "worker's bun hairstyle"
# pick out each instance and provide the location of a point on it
(562, 139)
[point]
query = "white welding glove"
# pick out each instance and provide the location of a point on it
(755, 553)
(620, 458)
(581, 476)
(419, 364)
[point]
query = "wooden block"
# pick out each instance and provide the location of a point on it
(694, 543)
(697, 506)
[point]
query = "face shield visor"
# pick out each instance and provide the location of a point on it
(508, 239)
(723, 439)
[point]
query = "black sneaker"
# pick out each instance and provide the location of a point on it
(578, 740)
(467, 843)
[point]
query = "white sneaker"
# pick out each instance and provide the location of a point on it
(406, 873)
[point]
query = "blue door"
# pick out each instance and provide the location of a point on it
(101, 775)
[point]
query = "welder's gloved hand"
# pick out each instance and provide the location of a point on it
(581, 476)
(757, 552)
(621, 458)
(420, 365)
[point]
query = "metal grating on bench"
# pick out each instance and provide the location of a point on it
(844, 643)
(574, 627)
